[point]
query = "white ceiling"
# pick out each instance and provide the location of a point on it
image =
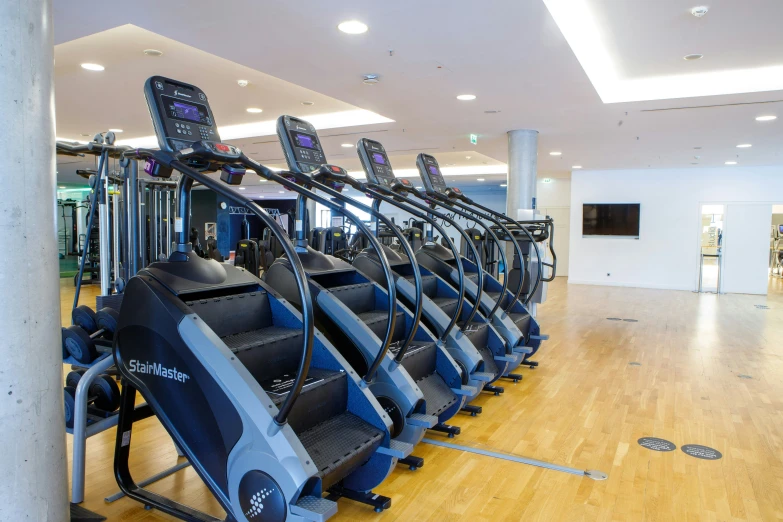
(511, 55)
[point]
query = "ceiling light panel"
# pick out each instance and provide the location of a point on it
(588, 40)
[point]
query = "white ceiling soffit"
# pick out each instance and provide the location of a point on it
(591, 27)
(120, 51)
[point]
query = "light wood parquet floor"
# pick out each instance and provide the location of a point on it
(585, 407)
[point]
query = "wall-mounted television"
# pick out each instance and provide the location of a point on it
(611, 219)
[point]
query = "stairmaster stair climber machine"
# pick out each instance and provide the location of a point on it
(267, 411)
(514, 321)
(480, 352)
(439, 259)
(419, 385)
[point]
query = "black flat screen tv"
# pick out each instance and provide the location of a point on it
(611, 219)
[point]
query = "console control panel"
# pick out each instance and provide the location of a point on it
(375, 162)
(430, 173)
(301, 145)
(180, 114)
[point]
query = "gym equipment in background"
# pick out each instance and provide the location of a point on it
(258, 400)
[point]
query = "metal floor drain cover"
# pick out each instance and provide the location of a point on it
(743, 376)
(613, 319)
(701, 452)
(596, 475)
(655, 444)
(631, 320)
(634, 363)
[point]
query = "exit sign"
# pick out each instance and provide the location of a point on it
(474, 139)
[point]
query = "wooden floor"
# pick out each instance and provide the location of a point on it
(584, 407)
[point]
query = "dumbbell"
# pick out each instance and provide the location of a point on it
(104, 394)
(79, 339)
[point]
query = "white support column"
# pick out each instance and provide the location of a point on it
(522, 170)
(32, 427)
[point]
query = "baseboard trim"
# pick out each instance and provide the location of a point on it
(572, 281)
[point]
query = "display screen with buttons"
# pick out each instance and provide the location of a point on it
(430, 173)
(190, 112)
(379, 170)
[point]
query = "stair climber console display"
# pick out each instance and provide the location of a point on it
(470, 339)
(418, 383)
(504, 308)
(268, 412)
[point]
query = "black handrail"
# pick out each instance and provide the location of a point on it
(500, 247)
(470, 244)
(391, 289)
(308, 317)
(480, 269)
(519, 224)
(408, 251)
(379, 197)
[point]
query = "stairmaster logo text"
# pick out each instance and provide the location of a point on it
(158, 370)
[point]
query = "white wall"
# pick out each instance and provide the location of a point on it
(666, 255)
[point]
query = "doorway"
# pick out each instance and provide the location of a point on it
(710, 248)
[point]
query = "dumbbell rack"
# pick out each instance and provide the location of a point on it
(81, 431)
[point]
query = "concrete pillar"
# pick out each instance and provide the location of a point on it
(522, 170)
(32, 428)
(311, 211)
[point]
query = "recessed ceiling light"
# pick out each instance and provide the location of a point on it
(449, 164)
(468, 157)
(466, 97)
(491, 112)
(85, 134)
(699, 11)
(353, 27)
(419, 188)
(766, 118)
(504, 184)
(693, 57)
(347, 145)
(263, 180)
(576, 167)
(370, 79)
(61, 187)
(697, 148)
(93, 67)
(241, 188)
(254, 110)
(260, 197)
(555, 153)
(744, 146)
(308, 103)
(479, 179)
(242, 83)
(731, 163)
(282, 191)
(153, 52)
(115, 130)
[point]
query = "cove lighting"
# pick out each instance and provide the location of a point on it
(589, 40)
(767, 118)
(93, 67)
(744, 146)
(352, 27)
(466, 97)
(254, 110)
(555, 153)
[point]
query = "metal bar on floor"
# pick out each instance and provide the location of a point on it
(589, 473)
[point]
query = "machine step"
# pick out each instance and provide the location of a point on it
(425, 421)
(540, 337)
(483, 376)
(467, 391)
(523, 349)
(396, 449)
(313, 508)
